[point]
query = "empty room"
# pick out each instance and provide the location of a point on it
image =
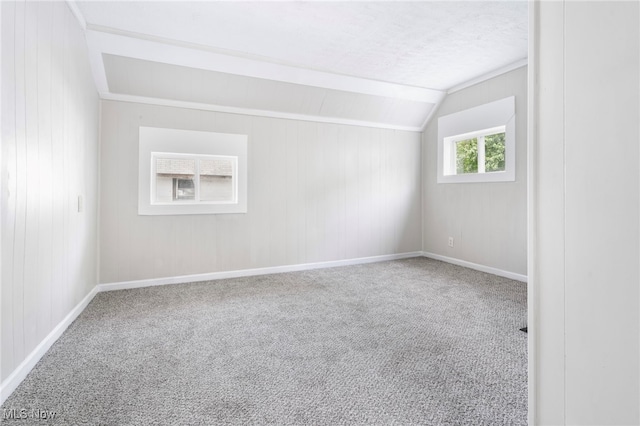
(292, 213)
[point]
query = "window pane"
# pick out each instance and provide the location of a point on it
(216, 179)
(467, 156)
(174, 179)
(184, 189)
(164, 189)
(494, 152)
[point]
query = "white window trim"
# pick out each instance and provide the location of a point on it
(468, 124)
(190, 143)
(449, 152)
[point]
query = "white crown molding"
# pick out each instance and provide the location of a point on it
(519, 64)
(97, 64)
(194, 56)
(95, 56)
(76, 12)
(432, 114)
(503, 70)
(247, 111)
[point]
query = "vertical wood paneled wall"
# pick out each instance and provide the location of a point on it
(317, 192)
(50, 113)
(488, 221)
(586, 215)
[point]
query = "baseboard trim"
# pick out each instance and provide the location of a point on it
(477, 267)
(11, 383)
(125, 285)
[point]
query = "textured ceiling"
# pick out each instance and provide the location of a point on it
(433, 45)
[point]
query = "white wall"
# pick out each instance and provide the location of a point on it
(50, 113)
(586, 192)
(317, 192)
(488, 221)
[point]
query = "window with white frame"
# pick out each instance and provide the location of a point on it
(191, 172)
(191, 178)
(478, 144)
(476, 152)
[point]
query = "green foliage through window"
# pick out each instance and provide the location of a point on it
(494, 152)
(467, 156)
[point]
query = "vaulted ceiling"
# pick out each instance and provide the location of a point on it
(385, 64)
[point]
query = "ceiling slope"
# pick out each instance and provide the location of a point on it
(366, 63)
(135, 77)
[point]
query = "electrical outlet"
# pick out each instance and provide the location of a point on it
(450, 241)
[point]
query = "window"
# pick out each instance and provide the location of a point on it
(191, 172)
(188, 178)
(478, 144)
(477, 152)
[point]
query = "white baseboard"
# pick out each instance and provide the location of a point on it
(477, 267)
(250, 272)
(11, 383)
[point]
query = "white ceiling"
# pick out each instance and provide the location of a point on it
(414, 51)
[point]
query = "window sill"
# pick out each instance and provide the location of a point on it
(478, 178)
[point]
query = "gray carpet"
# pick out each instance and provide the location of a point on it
(414, 341)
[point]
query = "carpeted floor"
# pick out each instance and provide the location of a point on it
(414, 341)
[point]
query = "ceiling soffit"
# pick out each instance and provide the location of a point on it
(120, 59)
(384, 104)
(153, 80)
